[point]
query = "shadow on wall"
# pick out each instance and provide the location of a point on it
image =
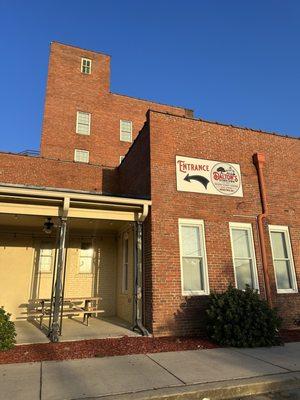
(188, 320)
(110, 181)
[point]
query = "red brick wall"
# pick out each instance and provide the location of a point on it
(134, 171)
(69, 91)
(38, 171)
(171, 136)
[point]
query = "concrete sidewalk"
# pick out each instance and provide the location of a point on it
(172, 375)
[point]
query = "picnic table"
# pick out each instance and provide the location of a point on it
(72, 306)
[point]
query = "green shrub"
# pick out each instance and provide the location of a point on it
(7, 331)
(239, 318)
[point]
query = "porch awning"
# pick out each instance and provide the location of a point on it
(60, 203)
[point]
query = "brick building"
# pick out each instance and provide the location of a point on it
(152, 209)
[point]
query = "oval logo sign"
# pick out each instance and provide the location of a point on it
(225, 178)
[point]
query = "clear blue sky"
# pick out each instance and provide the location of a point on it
(236, 62)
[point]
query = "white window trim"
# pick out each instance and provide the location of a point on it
(121, 159)
(42, 247)
(122, 140)
(124, 290)
(86, 59)
(92, 260)
(83, 162)
(77, 123)
(248, 226)
(200, 224)
(285, 230)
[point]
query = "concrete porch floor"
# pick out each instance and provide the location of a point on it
(74, 329)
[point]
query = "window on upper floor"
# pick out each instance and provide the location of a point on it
(243, 255)
(283, 259)
(86, 66)
(83, 123)
(81, 156)
(121, 158)
(125, 131)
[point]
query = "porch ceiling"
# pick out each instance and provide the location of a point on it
(46, 203)
(30, 222)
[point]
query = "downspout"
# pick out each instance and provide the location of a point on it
(259, 160)
(138, 272)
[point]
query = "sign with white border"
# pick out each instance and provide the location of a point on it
(209, 177)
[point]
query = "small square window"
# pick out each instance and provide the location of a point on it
(83, 123)
(81, 156)
(121, 158)
(86, 66)
(125, 131)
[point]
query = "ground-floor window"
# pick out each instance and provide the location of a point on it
(283, 259)
(46, 257)
(243, 255)
(194, 274)
(86, 258)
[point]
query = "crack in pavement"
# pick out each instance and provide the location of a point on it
(171, 373)
(267, 362)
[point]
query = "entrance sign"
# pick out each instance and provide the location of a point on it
(209, 177)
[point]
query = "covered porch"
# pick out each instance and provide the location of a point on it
(29, 332)
(71, 264)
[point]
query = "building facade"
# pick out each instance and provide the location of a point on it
(161, 208)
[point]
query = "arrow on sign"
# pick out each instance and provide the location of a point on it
(198, 178)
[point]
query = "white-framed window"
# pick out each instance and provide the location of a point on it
(194, 273)
(83, 123)
(86, 258)
(121, 158)
(86, 66)
(125, 131)
(283, 259)
(243, 255)
(125, 263)
(81, 156)
(46, 257)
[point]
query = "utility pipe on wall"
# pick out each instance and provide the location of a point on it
(138, 273)
(259, 161)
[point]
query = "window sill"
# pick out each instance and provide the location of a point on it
(287, 291)
(195, 293)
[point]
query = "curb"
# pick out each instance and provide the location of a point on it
(220, 390)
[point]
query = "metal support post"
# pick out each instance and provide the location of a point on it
(57, 300)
